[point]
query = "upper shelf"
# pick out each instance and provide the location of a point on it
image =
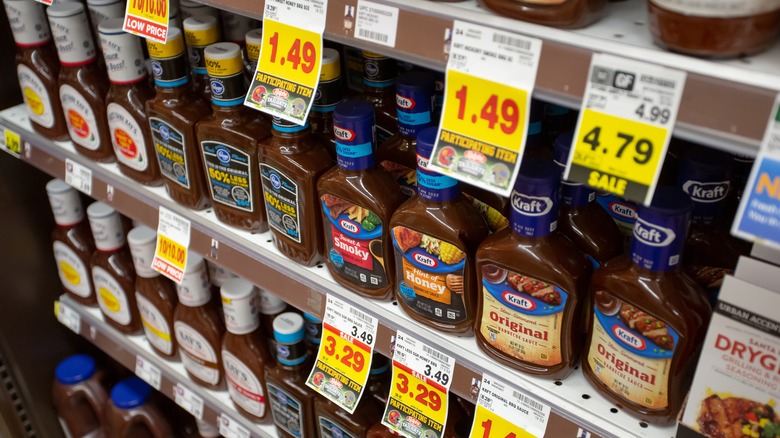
(726, 104)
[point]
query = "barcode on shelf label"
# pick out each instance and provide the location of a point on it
(148, 372)
(360, 315)
(349, 320)
(435, 354)
(67, 316)
(78, 176)
(374, 36)
(376, 23)
(524, 412)
(230, 428)
(531, 403)
(188, 400)
(515, 42)
(424, 359)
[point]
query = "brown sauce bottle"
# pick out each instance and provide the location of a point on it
(325, 100)
(37, 67)
(229, 142)
(72, 242)
(533, 282)
(130, 90)
(79, 396)
(172, 116)
(378, 384)
(83, 83)
(564, 14)
(113, 273)
(435, 236)
(379, 74)
(358, 197)
(244, 349)
(253, 42)
(197, 325)
(291, 401)
(270, 307)
(648, 319)
(313, 327)
(134, 413)
(199, 32)
(333, 421)
(155, 294)
(291, 162)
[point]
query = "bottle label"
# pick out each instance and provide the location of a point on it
(74, 274)
(244, 387)
(240, 314)
(229, 173)
(434, 186)
(194, 289)
(720, 8)
(111, 296)
(226, 79)
(414, 112)
(708, 198)
(522, 316)
(494, 218)
(36, 96)
(73, 38)
(631, 351)
(353, 240)
(127, 138)
(197, 40)
(281, 202)
(328, 93)
(169, 144)
(329, 428)
(168, 64)
(622, 212)
(534, 214)
(198, 355)
(430, 275)
(286, 409)
(404, 176)
(156, 328)
(107, 232)
(378, 70)
(658, 242)
(82, 123)
(124, 57)
(354, 144)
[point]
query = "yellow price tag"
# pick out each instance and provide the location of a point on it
(13, 142)
(417, 406)
(147, 19)
(488, 424)
(57, 309)
(170, 258)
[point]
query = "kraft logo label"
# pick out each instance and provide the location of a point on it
(403, 102)
(425, 260)
(165, 133)
(653, 235)
(623, 210)
(629, 338)
(217, 88)
(707, 192)
(343, 133)
(531, 205)
(516, 300)
(223, 155)
(422, 161)
(349, 226)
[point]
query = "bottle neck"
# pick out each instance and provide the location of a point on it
(292, 141)
(574, 195)
(413, 110)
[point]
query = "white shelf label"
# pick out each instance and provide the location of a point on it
(230, 428)
(173, 239)
(68, 317)
(500, 407)
(350, 320)
(376, 23)
(188, 400)
(148, 372)
(78, 176)
(420, 357)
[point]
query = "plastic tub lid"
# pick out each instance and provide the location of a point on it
(130, 393)
(75, 369)
(353, 111)
(237, 288)
(141, 235)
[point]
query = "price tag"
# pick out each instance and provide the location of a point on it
(188, 400)
(148, 372)
(758, 216)
(78, 176)
(487, 100)
(503, 412)
(417, 404)
(12, 142)
(290, 59)
(148, 19)
(67, 317)
(344, 358)
(173, 239)
(230, 428)
(624, 128)
(376, 23)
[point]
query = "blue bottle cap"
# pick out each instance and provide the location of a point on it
(667, 201)
(537, 176)
(661, 229)
(75, 369)
(561, 148)
(288, 328)
(534, 199)
(426, 139)
(130, 393)
(415, 81)
(353, 111)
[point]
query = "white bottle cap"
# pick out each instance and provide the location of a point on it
(65, 203)
(199, 23)
(270, 304)
(142, 241)
(219, 275)
(254, 40)
(238, 297)
(194, 289)
(330, 56)
(236, 26)
(106, 226)
(28, 22)
(100, 10)
(122, 52)
(72, 35)
(288, 328)
(206, 430)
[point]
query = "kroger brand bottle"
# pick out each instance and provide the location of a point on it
(199, 32)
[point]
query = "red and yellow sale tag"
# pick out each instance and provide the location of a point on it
(488, 424)
(170, 258)
(504, 412)
(417, 405)
(148, 19)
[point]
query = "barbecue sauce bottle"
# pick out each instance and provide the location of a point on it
(291, 162)
(37, 67)
(83, 83)
(229, 142)
(325, 100)
(648, 319)
(253, 42)
(532, 276)
(200, 32)
(172, 115)
(379, 74)
(435, 235)
(72, 242)
(358, 197)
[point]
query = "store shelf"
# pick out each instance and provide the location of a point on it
(127, 349)
(574, 403)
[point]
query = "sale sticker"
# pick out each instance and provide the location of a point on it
(148, 19)
(344, 358)
(417, 403)
(288, 70)
(487, 99)
(12, 142)
(624, 127)
(503, 412)
(758, 216)
(173, 239)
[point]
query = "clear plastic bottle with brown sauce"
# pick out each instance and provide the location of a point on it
(291, 401)
(172, 116)
(134, 413)
(37, 67)
(727, 28)
(379, 74)
(130, 90)
(358, 198)
(378, 384)
(270, 307)
(83, 83)
(648, 319)
(291, 162)
(244, 349)
(333, 421)
(155, 294)
(326, 98)
(198, 326)
(199, 32)
(113, 273)
(229, 143)
(72, 242)
(533, 282)
(79, 396)
(564, 14)
(435, 236)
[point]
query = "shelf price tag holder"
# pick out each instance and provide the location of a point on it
(173, 239)
(487, 100)
(188, 400)
(344, 357)
(288, 70)
(78, 176)
(148, 19)
(624, 127)
(418, 401)
(230, 428)
(148, 372)
(12, 142)
(67, 316)
(758, 216)
(503, 412)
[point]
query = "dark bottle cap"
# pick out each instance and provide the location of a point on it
(75, 369)
(534, 199)
(353, 127)
(130, 393)
(414, 101)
